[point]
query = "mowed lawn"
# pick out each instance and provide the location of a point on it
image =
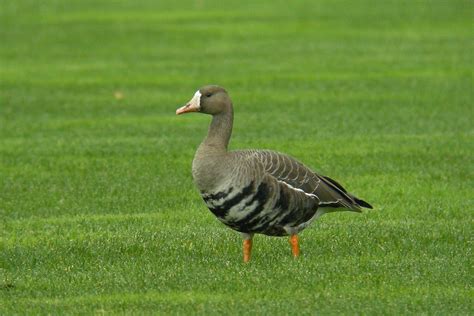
(98, 211)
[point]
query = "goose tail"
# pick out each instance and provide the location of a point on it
(362, 203)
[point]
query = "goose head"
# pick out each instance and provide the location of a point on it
(210, 99)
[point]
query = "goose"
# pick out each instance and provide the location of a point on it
(258, 191)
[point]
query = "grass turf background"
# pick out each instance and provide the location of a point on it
(98, 212)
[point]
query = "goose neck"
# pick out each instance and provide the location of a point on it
(220, 130)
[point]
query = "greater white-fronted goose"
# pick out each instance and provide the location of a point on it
(258, 191)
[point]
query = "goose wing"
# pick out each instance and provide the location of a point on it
(290, 172)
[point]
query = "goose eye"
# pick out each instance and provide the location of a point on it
(208, 95)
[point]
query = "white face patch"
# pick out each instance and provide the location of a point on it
(196, 100)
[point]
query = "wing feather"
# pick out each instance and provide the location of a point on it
(330, 193)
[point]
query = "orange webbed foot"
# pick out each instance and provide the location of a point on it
(295, 247)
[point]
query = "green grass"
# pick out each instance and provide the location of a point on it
(98, 212)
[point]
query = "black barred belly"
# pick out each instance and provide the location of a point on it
(254, 209)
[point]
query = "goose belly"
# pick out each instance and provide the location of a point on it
(260, 208)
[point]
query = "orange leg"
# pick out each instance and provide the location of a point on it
(295, 248)
(247, 249)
